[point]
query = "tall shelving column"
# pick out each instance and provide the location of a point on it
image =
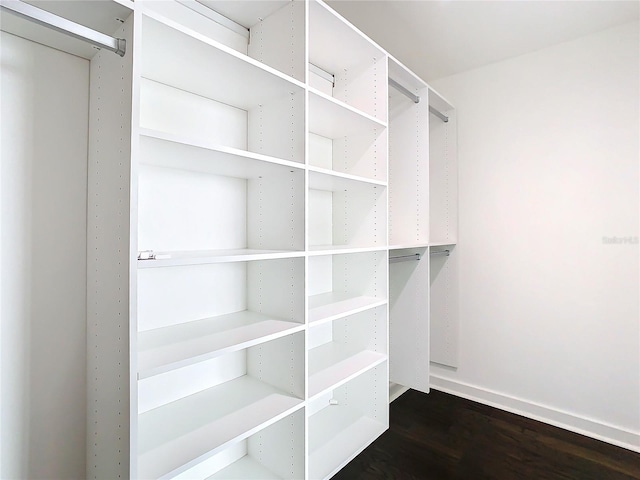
(443, 219)
(219, 309)
(408, 230)
(347, 346)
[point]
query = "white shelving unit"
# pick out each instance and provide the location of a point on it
(251, 174)
(443, 174)
(344, 348)
(346, 213)
(345, 284)
(443, 219)
(422, 226)
(344, 421)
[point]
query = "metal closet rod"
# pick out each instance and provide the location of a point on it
(62, 25)
(441, 252)
(404, 258)
(416, 99)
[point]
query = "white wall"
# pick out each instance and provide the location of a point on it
(549, 314)
(44, 108)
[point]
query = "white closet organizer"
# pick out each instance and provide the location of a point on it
(251, 173)
(422, 218)
(443, 233)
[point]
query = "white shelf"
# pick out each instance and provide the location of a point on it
(331, 365)
(341, 433)
(327, 180)
(442, 244)
(346, 176)
(164, 349)
(331, 306)
(315, 250)
(243, 469)
(334, 44)
(181, 434)
(174, 55)
(332, 118)
(173, 259)
(404, 246)
(208, 157)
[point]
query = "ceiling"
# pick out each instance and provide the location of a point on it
(438, 38)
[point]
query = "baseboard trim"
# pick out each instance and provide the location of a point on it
(568, 421)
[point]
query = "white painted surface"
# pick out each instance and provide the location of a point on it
(409, 330)
(443, 38)
(548, 158)
(45, 96)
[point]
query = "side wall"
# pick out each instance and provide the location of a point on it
(548, 235)
(45, 102)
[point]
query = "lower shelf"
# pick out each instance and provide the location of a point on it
(332, 364)
(333, 305)
(176, 346)
(245, 469)
(181, 434)
(339, 434)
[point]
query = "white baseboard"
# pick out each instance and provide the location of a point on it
(568, 421)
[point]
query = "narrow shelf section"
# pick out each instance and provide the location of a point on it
(333, 364)
(164, 349)
(193, 86)
(172, 259)
(356, 67)
(344, 421)
(334, 305)
(347, 176)
(173, 56)
(353, 434)
(181, 434)
(318, 250)
(404, 246)
(442, 244)
(199, 155)
(332, 118)
(243, 469)
(275, 452)
(345, 213)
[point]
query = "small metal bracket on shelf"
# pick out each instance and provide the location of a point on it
(146, 255)
(440, 252)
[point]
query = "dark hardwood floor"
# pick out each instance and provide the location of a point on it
(440, 436)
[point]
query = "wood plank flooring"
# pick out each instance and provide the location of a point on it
(440, 436)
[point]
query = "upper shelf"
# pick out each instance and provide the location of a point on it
(168, 348)
(175, 151)
(184, 59)
(334, 44)
(332, 118)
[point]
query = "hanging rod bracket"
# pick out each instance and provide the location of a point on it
(440, 252)
(404, 91)
(62, 25)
